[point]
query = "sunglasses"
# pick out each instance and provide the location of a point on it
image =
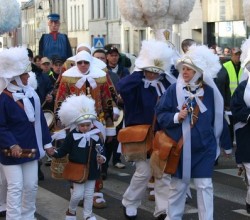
(81, 62)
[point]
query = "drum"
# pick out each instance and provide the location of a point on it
(119, 120)
(50, 118)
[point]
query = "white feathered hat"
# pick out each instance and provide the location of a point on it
(155, 56)
(202, 60)
(76, 110)
(14, 62)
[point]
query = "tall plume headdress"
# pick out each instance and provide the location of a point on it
(246, 11)
(160, 15)
(10, 15)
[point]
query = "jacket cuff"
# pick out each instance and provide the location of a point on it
(111, 131)
(46, 146)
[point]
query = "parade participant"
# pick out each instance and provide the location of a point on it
(24, 134)
(54, 43)
(240, 107)
(81, 145)
(146, 84)
(86, 78)
(116, 72)
(3, 192)
(187, 110)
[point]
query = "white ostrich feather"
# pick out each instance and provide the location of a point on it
(204, 59)
(245, 55)
(32, 81)
(246, 11)
(181, 10)
(157, 14)
(74, 107)
(9, 14)
(152, 50)
(13, 61)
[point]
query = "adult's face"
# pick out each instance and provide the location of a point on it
(100, 56)
(83, 66)
(227, 52)
(45, 67)
(187, 73)
(112, 59)
(54, 26)
(57, 67)
(24, 78)
(151, 75)
(236, 58)
(38, 62)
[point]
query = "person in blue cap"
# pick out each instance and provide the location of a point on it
(54, 43)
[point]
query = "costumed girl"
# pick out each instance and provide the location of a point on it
(193, 109)
(84, 145)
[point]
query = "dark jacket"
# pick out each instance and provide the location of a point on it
(80, 155)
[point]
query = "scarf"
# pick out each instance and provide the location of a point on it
(157, 84)
(85, 137)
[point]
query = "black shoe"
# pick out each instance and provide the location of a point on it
(248, 208)
(127, 216)
(161, 216)
(104, 175)
(2, 213)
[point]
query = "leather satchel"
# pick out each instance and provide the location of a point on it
(136, 142)
(76, 172)
(168, 150)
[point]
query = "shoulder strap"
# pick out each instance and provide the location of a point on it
(8, 93)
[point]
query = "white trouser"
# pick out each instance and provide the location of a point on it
(86, 191)
(177, 198)
(21, 190)
(161, 194)
(3, 190)
(247, 168)
(138, 185)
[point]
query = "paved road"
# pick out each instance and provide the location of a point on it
(229, 196)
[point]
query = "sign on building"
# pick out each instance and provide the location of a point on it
(98, 42)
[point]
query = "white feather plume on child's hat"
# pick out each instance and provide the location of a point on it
(76, 110)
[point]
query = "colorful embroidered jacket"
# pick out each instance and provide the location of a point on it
(101, 95)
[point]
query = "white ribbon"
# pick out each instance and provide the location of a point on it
(85, 137)
(33, 113)
(199, 93)
(28, 107)
(81, 82)
(160, 89)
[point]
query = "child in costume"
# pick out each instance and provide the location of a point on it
(84, 144)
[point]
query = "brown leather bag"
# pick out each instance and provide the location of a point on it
(168, 151)
(136, 142)
(76, 172)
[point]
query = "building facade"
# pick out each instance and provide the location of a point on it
(98, 22)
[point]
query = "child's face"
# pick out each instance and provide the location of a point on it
(84, 127)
